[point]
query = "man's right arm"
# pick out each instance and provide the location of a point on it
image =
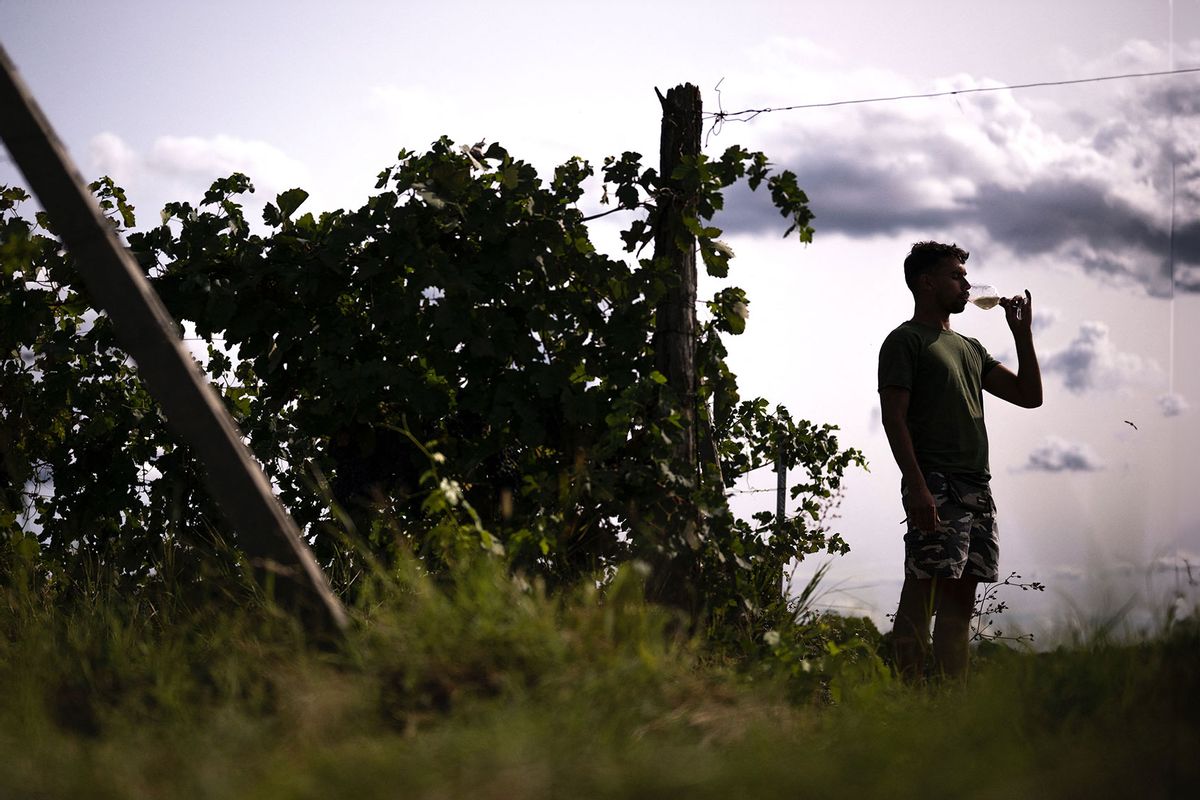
(922, 509)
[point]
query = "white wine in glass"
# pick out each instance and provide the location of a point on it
(984, 296)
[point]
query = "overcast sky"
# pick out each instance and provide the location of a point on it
(1066, 191)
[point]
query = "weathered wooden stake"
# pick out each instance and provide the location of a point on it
(673, 578)
(780, 484)
(775, 589)
(145, 329)
(675, 319)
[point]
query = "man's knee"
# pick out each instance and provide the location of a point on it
(955, 609)
(958, 597)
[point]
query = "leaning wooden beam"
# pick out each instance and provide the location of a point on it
(144, 328)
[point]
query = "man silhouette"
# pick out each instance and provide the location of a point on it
(931, 384)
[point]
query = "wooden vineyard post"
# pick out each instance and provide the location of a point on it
(145, 330)
(675, 338)
(774, 590)
(675, 318)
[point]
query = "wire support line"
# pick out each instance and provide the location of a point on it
(748, 114)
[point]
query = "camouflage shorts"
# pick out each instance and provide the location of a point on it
(966, 541)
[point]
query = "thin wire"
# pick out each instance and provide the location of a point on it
(737, 116)
(1171, 235)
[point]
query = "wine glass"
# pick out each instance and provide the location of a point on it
(984, 296)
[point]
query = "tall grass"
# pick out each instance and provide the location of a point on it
(482, 686)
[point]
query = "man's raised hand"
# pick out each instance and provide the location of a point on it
(1018, 311)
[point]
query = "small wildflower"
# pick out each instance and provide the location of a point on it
(451, 490)
(771, 638)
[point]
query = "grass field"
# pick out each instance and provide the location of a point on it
(483, 688)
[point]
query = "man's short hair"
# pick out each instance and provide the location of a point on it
(924, 256)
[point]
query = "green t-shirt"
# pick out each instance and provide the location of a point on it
(944, 372)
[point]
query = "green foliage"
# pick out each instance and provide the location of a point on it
(828, 656)
(481, 684)
(87, 461)
(448, 368)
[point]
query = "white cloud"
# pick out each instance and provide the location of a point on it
(1092, 362)
(218, 156)
(1180, 560)
(1058, 455)
(1068, 572)
(1173, 404)
(183, 167)
(111, 156)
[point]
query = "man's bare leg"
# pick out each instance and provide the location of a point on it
(910, 634)
(952, 630)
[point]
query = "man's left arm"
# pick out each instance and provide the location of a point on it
(1024, 388)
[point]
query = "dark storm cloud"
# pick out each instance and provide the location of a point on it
(1187, 249)
(847, 196)
(1039, 217)
(1101, 202)
(1059, 455)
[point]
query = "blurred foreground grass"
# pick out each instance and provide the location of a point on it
(481, 687)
